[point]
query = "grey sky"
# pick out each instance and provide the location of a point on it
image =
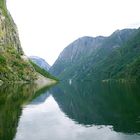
(47, 26)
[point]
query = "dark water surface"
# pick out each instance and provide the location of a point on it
(70, 111)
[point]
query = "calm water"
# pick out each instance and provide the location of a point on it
(70, 111)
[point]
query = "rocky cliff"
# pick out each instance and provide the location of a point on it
(13, 65)
(100, 58)
(76, 51)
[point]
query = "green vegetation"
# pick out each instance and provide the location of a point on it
(3, 6)
(116, 58)
(132, 70)
(12, 66)
(42, 71)
(15, 69)
(3, 9)
(2, 60)
(12, 99)
(123, 62)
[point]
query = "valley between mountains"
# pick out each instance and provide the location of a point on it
(87, 58)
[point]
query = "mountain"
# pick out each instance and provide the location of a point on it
(75, 52)
(14, 65)
(101, 58)
(40, 62)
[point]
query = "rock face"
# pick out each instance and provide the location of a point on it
(101, 57)
(76, 51)
(12, 66)
(8, 33)
(40, 62)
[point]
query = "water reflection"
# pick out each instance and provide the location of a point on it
(70, 111)
(109, 104)
(83, 111)
(12, 100)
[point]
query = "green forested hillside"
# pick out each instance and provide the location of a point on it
(42, 71)
(117, 57)
(120, 63)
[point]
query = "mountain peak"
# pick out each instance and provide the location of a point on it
(95, 57)
(123, 31)
(40, 62)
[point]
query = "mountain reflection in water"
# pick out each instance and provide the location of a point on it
(13, 98)
(70, 111)
(90, 104)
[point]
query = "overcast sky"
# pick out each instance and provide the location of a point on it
(46, 27)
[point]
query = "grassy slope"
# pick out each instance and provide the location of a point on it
(42, 71)
(14, 68)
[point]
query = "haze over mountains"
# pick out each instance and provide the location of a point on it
(102, 58)
(40, 62)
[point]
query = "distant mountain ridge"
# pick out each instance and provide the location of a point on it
(40, 62)
(102, 58)
(77, 50)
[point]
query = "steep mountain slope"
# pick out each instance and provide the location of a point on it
(43, 73)
(110, 58)
(13, 67)
(120, 62)
(40, 62)
(75, 52)
(127, 60)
